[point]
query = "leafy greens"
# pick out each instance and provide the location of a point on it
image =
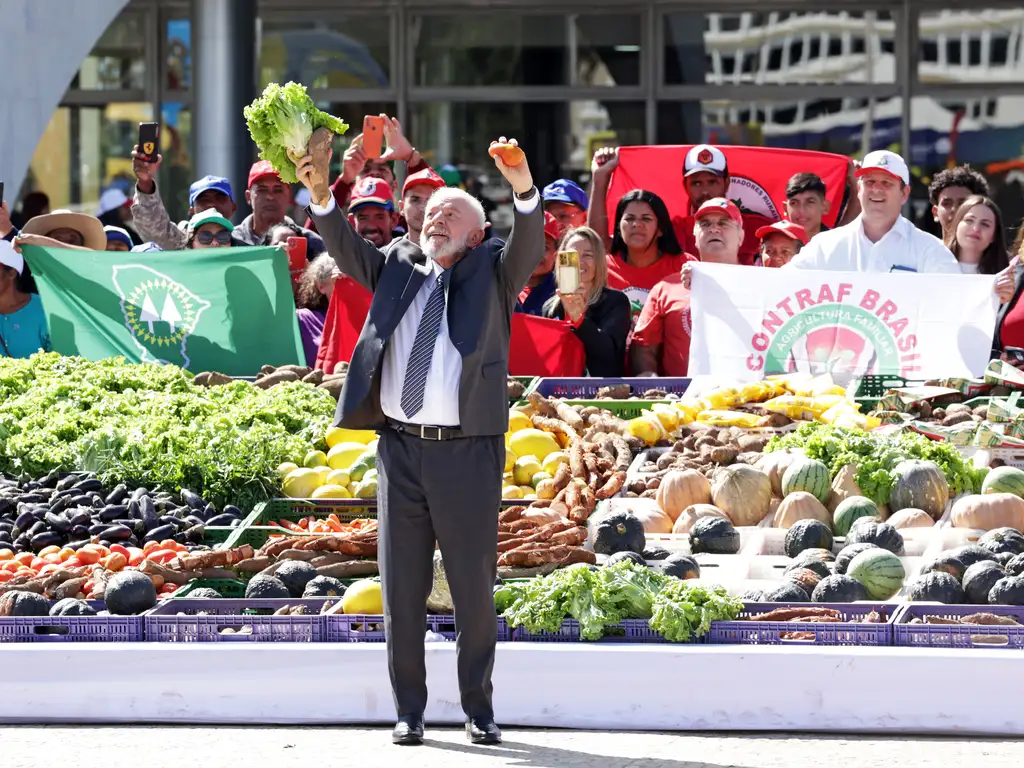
(281, 121)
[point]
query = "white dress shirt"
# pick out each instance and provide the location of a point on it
(441, 396)
(848, 249)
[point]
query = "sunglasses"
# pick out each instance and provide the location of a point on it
(223, 237)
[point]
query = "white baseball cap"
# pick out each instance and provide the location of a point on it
(10, 257)
(887, 162)
(704, 158)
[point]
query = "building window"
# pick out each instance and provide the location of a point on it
(118, 60)
(981, 45)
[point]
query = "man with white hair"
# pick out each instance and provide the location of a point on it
(428, 373)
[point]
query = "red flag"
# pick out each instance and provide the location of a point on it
(346, 313)
(758, 178)
(544, 347)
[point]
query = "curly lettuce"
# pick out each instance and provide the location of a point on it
(281, 122)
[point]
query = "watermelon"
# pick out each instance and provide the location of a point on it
(1004, 480)
(880, 571)
(919, 485)
(850, 509)
(808, 475)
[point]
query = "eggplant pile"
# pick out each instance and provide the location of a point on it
(73, 509)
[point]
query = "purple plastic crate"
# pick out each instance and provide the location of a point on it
(162, 624)
(584, 388)
(626, 631)
(851, 631)
(957, 635)
(361, 628)
(72, 629)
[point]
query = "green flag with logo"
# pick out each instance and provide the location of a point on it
(213, 309)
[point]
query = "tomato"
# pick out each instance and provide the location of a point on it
(24, 557)
(5, 576)
(37, 563)
(73, 562)
(49, 568)
(162, 556)
(115, 561)
(90, 554)
(51, 550)
(120, 549)
(53, 558)
(136, 556)
(67, 553)
(6, 554)
(150, 546)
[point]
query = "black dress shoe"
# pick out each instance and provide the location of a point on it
(408, 730)
(483, 730)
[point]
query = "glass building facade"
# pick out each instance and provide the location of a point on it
(939, 85)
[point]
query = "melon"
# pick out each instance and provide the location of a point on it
(851, 509)
(1004, 480)
(919, 485)
(880, 571)
(810, 476)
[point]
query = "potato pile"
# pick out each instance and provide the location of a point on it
(270, 375)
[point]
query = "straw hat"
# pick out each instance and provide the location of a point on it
(89, 227)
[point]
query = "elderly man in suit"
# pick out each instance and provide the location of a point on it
(429, 374)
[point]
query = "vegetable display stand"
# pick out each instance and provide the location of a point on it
(205, 621)
(72, 629)
(924, 635)
(583, 390)
(626, 631)
(360, 628)
(233, 588)
(850, 630)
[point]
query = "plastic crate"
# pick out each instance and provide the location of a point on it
(362, 628)
(528, 383)
(875, 386)
(848, 632)
(228, 588)
(910, 635)
(72, 629)
(163, 625)
(218, 536)
(626, 631)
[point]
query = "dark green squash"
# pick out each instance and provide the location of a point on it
(71, 606)
(204, 593)
(20, 602)
(714, 535)
(129, 593)
(1016, 566)
(865, 531)
(262, 587)
(617, 531)
(632, 557)
(825, 555)
(678, 565)
(807, 534)
(839, 589)
(654, 552)
(753, 596)
(820, 567)
(979, 580)
(847, 554)
(295, 575)
(805, 578)
(324, 586)
(1009, 590)
(947, 562)
(969, 554)
(787, 592)
(1004, 558)
(936, 587)
(1002, 540)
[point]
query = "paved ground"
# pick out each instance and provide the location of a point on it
(284, 747)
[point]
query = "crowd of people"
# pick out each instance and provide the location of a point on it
(631, 310)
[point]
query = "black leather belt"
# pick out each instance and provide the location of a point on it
(425, 431)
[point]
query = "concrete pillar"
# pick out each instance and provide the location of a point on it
(224, 56)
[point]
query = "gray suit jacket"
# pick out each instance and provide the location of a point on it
(482, 294)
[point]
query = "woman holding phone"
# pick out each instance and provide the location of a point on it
(599, 315)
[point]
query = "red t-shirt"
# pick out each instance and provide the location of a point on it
(637, 282)
(665, 321)
(1012, 332)
(749, 248)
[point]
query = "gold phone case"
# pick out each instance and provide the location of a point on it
(567, 271)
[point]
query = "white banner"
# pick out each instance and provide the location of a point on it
(752, 322)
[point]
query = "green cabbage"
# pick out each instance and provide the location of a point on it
(283, 119)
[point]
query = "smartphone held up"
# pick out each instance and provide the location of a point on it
(567, 271)
(149, 141)
(373, 136)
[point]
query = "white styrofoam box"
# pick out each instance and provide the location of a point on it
(722, 569)
(917, 541)
(950, 538)
(768, 568)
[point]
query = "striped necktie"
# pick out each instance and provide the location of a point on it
(415, 384)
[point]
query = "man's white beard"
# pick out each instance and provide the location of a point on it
(450, 248)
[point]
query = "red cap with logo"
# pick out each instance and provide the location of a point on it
(552, 228)
(720, 205)
(372, 191)
(427, 177)
(259, 170)
(787, 228)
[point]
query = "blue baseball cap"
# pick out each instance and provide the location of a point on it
(119, 235)
(146, 248)
(566, 191)
(218, 183)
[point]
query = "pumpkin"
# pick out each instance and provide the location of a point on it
(652, 518)
(742, 492)
(910, 518)
(844, 485)
(691, 515)
(775, 465)
(681, 489)
(920, 485)
(800, 505)
(987, 511)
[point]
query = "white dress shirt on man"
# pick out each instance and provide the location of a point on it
(903, 248)
(441, 396)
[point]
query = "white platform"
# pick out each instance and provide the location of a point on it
(634, 687)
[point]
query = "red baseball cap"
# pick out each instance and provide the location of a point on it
(372, 191)
(259, 170)
(427, 177)
(551, 227)
(787, 228)
(720, 205)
